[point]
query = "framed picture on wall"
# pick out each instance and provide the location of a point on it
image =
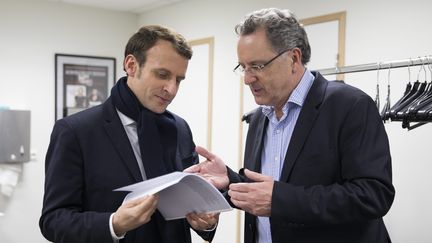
(81, 82)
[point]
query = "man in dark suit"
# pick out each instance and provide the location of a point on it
(317, 158)
(129, 138)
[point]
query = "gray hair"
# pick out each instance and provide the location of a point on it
(282, 29)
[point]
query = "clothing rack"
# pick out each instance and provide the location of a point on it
(425, 60)
(386, 114)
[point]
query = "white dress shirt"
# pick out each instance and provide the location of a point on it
(276, 141)
(130, 127)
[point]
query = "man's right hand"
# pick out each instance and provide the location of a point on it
(133, 214)
(213, 169)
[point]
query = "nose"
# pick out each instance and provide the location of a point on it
(249, 78)
(171, 86)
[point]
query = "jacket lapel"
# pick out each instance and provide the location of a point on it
(119, 139)
(305, 122)
(253, 154)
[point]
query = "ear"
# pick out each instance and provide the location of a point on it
(296, 55)
(296, 59)
(130, 65)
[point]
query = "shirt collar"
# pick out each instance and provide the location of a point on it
(125, 120)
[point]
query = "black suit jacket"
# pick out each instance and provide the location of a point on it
(88, 157)
(336, 181)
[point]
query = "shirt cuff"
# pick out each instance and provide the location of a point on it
(213, 228)
(113, 234)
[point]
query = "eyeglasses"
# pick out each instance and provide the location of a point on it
(254, 69)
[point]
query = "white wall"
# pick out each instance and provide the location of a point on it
(384, 30)
(376, 31)
(31, 31)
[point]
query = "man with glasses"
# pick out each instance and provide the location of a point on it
(317, 161)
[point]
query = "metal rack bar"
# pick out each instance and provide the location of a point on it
(425, 60)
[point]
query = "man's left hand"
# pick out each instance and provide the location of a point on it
(203, 221)
(255, 197)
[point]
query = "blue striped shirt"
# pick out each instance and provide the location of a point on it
(276, 141)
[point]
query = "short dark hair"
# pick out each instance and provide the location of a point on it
(282, 29)
(146, 38)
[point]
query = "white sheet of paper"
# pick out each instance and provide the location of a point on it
(179, 193)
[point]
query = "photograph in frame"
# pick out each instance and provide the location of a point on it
(81, 82)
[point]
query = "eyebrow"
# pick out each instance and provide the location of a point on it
(253, 63)
(168, 72)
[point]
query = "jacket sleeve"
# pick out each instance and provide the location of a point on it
(63, 217)
(362, 164)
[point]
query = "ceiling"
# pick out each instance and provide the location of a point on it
(133, 6)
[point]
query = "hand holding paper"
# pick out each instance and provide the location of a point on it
(179, 193)
(133, 214)
(203, 221)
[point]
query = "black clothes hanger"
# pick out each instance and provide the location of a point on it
(386, 107)
(409, 90)
(415, 106)
(420, 110)
(377, 99)
(425, 112)
(422, 114)
(400, 111)
(419, 102)
(403, 101)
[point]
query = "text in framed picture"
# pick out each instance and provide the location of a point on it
(81, 82)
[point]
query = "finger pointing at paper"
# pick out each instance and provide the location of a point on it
(213, 169)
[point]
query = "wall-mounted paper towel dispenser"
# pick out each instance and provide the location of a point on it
(14, 136)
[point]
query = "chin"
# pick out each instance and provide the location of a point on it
(160, 110)
(259, 101)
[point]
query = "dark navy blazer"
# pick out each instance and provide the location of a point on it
(336, 181)
(88, 157)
